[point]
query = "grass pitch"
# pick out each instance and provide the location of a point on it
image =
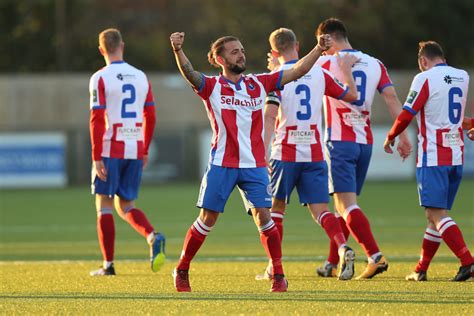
(49, 244)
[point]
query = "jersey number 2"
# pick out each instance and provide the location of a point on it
(306, 114)
(129, 100)
(454, 107)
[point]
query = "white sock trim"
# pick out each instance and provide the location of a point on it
(201, 227)
(104, 211)
(321, 216)
(267, 226)
(433, 232)
(107, 264)
(349, 209)
(277, 215)
(444, 224)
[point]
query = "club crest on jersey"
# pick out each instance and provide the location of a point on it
(251, 86)
(411, 96)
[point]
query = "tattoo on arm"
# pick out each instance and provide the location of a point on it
(193, 77)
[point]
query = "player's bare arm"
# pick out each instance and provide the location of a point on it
(394, 106)
(270, 114)
(185, 67)
(100, 170)
(346, 62)
(468, 124)
(305, 63)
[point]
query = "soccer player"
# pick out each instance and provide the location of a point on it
(122, 120)
(234, 103)
(296, 156)
(349, 144)
(437, 98)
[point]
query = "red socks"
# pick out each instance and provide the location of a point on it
(331, 225)
(192, 242)
(278, 219)
(333, 256)
(360, 228)
(452, 236)
(270, 238)
(431, 243)
(106, 234)
(139, 222)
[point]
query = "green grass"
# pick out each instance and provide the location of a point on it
(40, 227)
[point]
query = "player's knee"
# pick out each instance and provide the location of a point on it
(261, 216)
(104, 211)
(208, 217)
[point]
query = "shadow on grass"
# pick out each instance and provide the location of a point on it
(280, 297)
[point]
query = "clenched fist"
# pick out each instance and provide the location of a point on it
(325, 42)
(177, 40)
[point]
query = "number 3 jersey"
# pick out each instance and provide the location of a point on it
(347, 121)
(297, 136)
(438, 97)
(122, 112)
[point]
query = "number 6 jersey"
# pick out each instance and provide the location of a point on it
(122, 112)
(438, 97)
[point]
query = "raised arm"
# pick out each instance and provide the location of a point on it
(187, 71)
(271, 112)
(305, 63)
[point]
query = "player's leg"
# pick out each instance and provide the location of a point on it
(256, 193)
(431, 242)
(282, 181)
(437, 198)
(354, 159)
(127, 193)
(330, 266)
(216, 186)
(104, 203)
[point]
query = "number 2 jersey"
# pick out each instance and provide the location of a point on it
(122, 112)
(351, 121)
(438, 97)
(297, 136)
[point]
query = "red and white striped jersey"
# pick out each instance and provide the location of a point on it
(235, 111)
(297, 128)
(351, 121)
(123, 91)
(438, 97)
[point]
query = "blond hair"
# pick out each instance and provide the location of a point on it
(110, 40)
(282, 39)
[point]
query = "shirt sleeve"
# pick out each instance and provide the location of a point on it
(418, 95)
(150, 99)
(274, 98)
(333, 87)
(207, 85)
(97, 93)
(97, 121)
(384, 81)
(271, 81)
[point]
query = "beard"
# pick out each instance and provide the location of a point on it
(236, 68)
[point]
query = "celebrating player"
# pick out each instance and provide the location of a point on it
(437, 98)
(349, 144)
(122, 121)
(234, 103)
(297, 156)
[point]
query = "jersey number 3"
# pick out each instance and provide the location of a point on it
(304, 101)
(128, 100)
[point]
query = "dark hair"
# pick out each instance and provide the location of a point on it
(333, 27)
(282, 39)
(217, 47)
(430, 49)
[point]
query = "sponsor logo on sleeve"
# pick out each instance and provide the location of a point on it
(94, 95)
(411, 96)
